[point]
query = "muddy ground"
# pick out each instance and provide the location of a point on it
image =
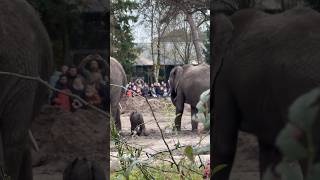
(64, 136)
(246, 165)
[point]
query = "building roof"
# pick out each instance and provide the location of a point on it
(143, 61)
(180, 36)
(145, 58)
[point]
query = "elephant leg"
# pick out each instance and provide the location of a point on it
(139, 130)
(18, 161)
(115, 111)
(16, 140)
(132, 130)
(177, 122)
(224, 138)
(26, 166)
(118, 121)
(179, 111)
(268, 156)
(194, 122)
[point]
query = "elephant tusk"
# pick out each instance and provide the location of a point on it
(120, 106)
(33, 141)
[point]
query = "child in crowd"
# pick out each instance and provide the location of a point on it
(60, 99)
(129, 92)
(77, 88)
(92, 96)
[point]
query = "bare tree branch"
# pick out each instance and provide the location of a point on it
(161, 132)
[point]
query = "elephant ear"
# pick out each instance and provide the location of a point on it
(222, 35)
(176, 76)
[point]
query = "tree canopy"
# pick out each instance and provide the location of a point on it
(60, 17)
(122, 45)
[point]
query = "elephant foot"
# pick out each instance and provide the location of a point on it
(144, 133)
(176, 128)
(194, 125)
(121, 133)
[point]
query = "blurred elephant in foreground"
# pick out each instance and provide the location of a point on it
(263, 63)
(83, 169)
(187, 82)
(118, 80)
(25, 48)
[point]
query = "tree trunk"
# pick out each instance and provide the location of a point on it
(157, 65)
(195, 36)
(152, 37)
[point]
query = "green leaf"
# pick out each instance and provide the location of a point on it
(201, 150)
(290, 171)
(188, 151)
(200, 106)
(201, 117)
(177, 145)
(129, 169)
(218, 168)
(303, 112)
(289, 146)
(205, 96)
(268, 175)
(315, 172)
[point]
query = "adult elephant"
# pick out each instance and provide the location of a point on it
(187, 82)
(264, 62)
(25, 49)
(118, 79)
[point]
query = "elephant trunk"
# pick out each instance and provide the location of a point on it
(172, 92)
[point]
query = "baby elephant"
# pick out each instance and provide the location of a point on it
(137, 124)
(83, 169)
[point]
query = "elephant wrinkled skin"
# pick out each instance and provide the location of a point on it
(137, 123)
(117, 77)
(25, 49)
(187, 82)
(83, 169)
(265, 62)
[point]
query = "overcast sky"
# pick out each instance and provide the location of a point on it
(140, 32)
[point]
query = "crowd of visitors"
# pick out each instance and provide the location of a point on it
(86, 81)
(141, 88)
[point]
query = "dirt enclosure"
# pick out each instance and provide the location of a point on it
(63, 136)
(246, 165)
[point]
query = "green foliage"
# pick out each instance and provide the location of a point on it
(218, 168)
(159, 172)
(302, 120)
(160, 165)
(188, 151)
(57, 14)
(203, 109)
(121, 33)
(206, 50)
(60, 17)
